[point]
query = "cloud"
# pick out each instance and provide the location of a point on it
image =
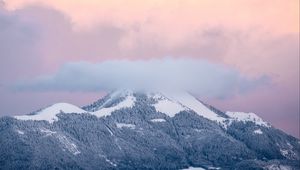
(197, 76)
(40, 34)
(16, 41)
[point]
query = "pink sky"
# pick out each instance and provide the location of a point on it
(256, 37)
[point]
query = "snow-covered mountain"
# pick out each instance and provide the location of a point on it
(144, 130)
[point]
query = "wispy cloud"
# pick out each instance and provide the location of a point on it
(198, 76)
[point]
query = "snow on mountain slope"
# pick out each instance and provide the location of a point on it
(49, 113)
(158, 120)
(165, 105)
(127, 103)
(247, 117)
(194, 168)
(125, 125)
(66, 143)
(258, 131)
(173, 103)
(192, 103)
(115, 95)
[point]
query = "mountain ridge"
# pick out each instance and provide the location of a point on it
(162, 102)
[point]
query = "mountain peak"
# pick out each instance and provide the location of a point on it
(49, 113)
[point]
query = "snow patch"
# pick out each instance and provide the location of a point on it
(115, 95)
(20, 132)
(198, 130)
(47, 132)
(168, 107)
(49, 113)
(211, 167)
(128, 102)
(194, 168)
(165, 105)
(289, 145)
(108, 160)
(288, 153)
(284, 152)
(70, 146)
(125, 125)
(110, 132)
(117, 143)
(278, 167)
(157, 120)
(246, 117)
(194, 104)
(258, 131)
(67, 144)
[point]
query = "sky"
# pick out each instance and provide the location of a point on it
(238, 55)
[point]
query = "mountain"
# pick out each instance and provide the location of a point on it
(144, 130)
